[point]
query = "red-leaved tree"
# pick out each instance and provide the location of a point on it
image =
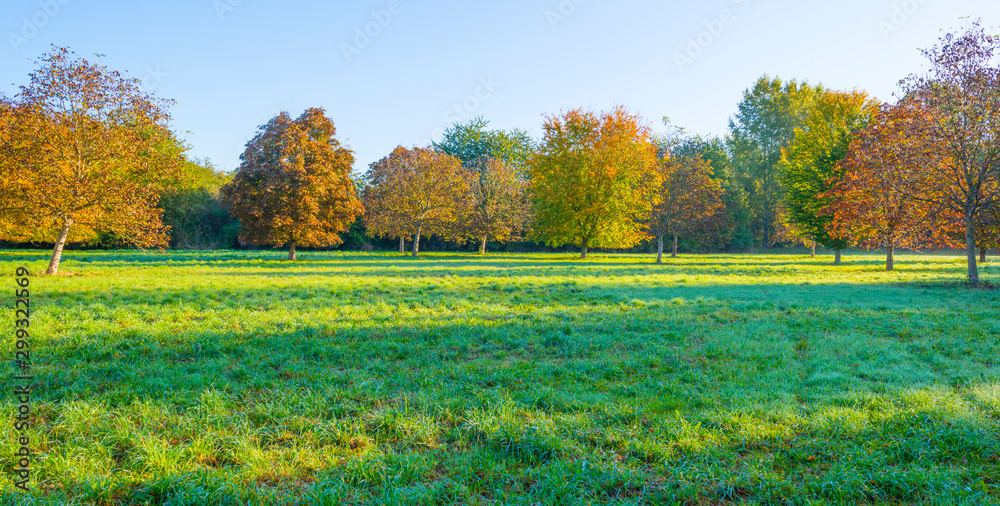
(959, 105)
(872, 203)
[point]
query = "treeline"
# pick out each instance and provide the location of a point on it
(800, 165)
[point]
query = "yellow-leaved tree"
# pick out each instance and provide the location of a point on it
(84, 150)
(592, 180)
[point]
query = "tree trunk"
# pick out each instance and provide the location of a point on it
(482, 246)
(402, 245)
(60, 244)
(583, 256)
(416, 241)
(813, 252)
(674, 253)
(659, 253)
(970, 241)
(982, 255)
(890, 258)
(836, 258)
(291, 251)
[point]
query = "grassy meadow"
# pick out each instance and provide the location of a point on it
(191, 378)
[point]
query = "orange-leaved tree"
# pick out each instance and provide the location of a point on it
(871, 203)
(686, 198)
(416, 192)
(960, 100)
(500, 208)
(84, 150)
(592, 179)
(294, 187)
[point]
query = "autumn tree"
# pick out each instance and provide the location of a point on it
(685, 198)
(83, 150)
(810, 165)
(416, 192)
(591, 180)
(293, 187)
(960, 100)
(765, 124)
(871, 203)
(494, 162)
(498, 197)
(786, 232)
(729, 227)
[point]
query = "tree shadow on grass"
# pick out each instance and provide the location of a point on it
(527, 273)
(554, 322)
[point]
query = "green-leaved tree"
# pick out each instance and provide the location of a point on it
(810, 165)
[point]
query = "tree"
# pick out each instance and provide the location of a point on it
(764, 125)
(959, 98)
(685, 198)
(729, 228)
(871, 202)
(591, 180)
(495, 162)
(84, 150)
(293, 187)
(471, 142)
(416, 192)
(786, 232)
(500, 208)
(810, 163)
(194, 212)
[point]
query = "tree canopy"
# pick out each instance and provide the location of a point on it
(957, 106)
(810, 165)
(869, 204)
(84, 150)
(194, 212)
(294, 187)
(685, 199)
(473, 142)
(591, 179)
(417, 192)
(763, 126)
(500, 208)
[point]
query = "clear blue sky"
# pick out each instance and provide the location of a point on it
(233, 64)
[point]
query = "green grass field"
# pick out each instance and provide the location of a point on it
(237, 378)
